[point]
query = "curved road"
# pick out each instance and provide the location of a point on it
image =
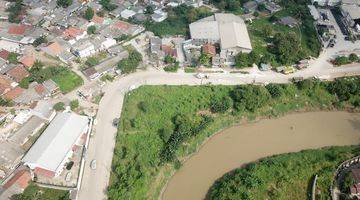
(101, 145)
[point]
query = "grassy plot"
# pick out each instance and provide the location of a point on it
(34, 192)
(160, 125)
(284, 176)
(67, 80)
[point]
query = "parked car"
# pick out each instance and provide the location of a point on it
(93, 164)
(116, 122)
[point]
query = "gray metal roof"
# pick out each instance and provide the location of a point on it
(57, 140)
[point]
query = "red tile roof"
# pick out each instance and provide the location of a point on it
(27, 61)
(122, 25)
(55, 48)
(14, 93)
(97, 20)
(18, 73)
(209, 49)
(5, 84)
(17, 29)
(40, 89)
(21, 178)
(169, 50)
(73, 32)
(44, 172)
(4, 54)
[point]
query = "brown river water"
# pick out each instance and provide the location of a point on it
(242, 144)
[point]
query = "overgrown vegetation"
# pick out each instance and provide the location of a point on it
(34, 192)
(178, 20)
(40, 40)
(162, 124)
(343, 60)
(277, 44)
(108, 5)
(62, 76)
(129, 65)
(15, 11)
(284, 176)
(64, 3)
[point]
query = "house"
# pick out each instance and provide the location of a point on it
(250, 6)
(54, 49)
(155, 46)
(159, 16)
(314, 12)
(117, 12)
(13, 93)
(16, 184)
(5, 84)
(54, 147)
(97, 20)
(351, 15)
(226, 29)
(4, 54)
(18, 73)
(51, 87)
(27, 60)
(326, 2)
(72, 34)
(83, 48)
(272, 7)
(288, 21)
(126, 14)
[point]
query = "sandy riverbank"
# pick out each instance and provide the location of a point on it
(242, 144)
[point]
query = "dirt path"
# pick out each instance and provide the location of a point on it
(242, 144)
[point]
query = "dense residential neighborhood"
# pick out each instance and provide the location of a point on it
(70, 72)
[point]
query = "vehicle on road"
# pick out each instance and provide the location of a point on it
(115, 122)
(93, 164)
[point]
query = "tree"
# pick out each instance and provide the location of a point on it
(14, 12)
(353, 57)
(169, 59)
(59, 106)
(342, 60)
(261, 7)
(89, 13)
(74, 104)
(275, 90)
(205, 59)
(108, 5)
(12, 58)
(268, 31)
(130, 64)
(249, 97)
(91, 29)
(287, 47)
(221, 104)
(64, 3)
(40, 40)
(149, 10)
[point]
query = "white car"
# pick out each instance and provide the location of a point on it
(93, 164)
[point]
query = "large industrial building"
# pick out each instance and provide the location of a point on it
(228, 30)
(55, 146)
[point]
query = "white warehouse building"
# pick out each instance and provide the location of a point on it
(226, 29)
(55, 145)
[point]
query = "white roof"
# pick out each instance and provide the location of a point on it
(57, 140)
(228, 28)
(352, 9)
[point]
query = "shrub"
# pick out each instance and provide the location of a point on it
(74, 104)
(64, 3)
(89, 13)
(91, 30)
(172, 68)
(353, 57)
(221, 104)
(249, 97)
(130, 64)
(59, 106)
(275, 90)
(341, 60)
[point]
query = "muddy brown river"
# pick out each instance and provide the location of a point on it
(242, 144)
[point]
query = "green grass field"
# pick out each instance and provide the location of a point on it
(150, 112)
(34, 192)
(67, 80)
(284, 176)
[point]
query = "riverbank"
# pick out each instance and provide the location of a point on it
(249, 142)
(161, 125)
(284, 176)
